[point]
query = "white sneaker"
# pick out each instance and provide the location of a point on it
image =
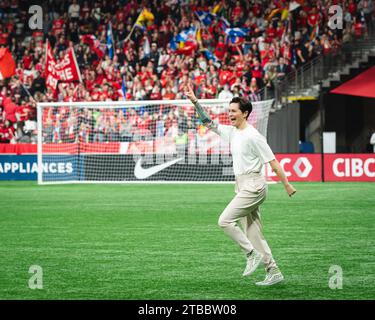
(273, 276)
(253, 261)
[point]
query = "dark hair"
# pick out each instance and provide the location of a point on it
(245, 105)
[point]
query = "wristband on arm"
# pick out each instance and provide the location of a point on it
(202, 114)
(205, 118)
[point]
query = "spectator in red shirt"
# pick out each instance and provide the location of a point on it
(10, 109)
(156, 94)
(237, 10)
(27, 59)
(58, 26)
(257, 70)
(270, 33)
(23, 112)
(313, 19)
(85, 10)
(352, 7)
(221, 48)
(302, 20)
(168, 94)
(257, 9)
(4, 35)
(224, 75)
(7, 132)
(358, 28)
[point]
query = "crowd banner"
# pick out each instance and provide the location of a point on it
(64, 70)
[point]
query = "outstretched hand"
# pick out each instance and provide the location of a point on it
(290, 190)
(189, 92)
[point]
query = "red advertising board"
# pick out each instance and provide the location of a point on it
(349, 167)
(298, 167)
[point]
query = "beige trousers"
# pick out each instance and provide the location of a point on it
(251, 190)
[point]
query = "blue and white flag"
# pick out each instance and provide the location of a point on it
(210, 56)
(224, 23)
(237, 32)
(234, 33)
(182, 37)
(123, 87)
(205, 17)
(173, 44)
(187, 35)
(110, 41)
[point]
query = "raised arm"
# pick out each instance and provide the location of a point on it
(276, 167)
(189, 92)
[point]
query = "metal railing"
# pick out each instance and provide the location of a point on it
(304, 80)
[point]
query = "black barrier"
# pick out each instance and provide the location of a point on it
(105, 167)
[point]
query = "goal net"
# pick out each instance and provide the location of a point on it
(132, 141)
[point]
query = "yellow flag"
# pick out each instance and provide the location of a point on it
(216, 8)
(148, 15)
(273, 13)
(145, 17)
(284, 14)
(140, 19)
(199, 38)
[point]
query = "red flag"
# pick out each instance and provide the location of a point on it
(7, 64)
(94, 44)
(65, 70)
(187, 49)
(49, 70)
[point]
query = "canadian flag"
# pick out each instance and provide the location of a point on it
(94, 44)
(7, 64)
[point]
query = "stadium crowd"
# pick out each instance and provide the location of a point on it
(280, 35)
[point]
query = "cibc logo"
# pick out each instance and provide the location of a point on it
(354, 167)
(300, 167)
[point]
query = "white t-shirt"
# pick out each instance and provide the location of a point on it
(225, 94)
(73, 10)
(249, 148)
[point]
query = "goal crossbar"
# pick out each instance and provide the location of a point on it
(153, 141)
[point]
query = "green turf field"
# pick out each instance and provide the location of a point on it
(163, 242)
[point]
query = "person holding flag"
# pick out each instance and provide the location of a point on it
(145, 18)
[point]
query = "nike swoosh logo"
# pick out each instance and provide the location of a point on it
(144, 173)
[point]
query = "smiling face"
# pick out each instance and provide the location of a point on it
(236, 116)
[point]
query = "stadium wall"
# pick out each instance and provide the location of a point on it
(281, 136)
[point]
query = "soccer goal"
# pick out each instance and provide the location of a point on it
(135, 141)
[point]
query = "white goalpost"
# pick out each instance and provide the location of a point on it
(135, 141)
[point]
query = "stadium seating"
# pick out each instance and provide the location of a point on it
(247, 45)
